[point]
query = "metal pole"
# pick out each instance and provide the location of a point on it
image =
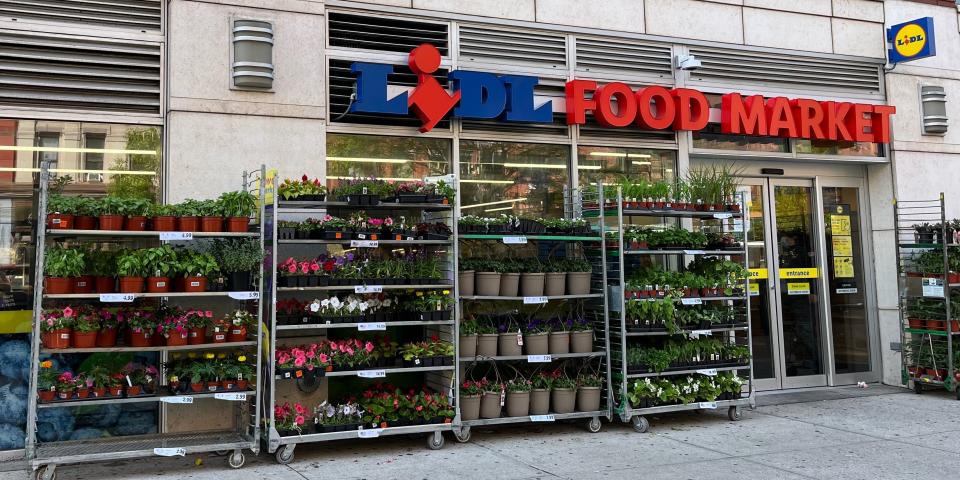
(41, 219)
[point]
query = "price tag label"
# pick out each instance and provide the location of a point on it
(117, 297)
(176, 235)
(693, 252)
(371, 433)
(170, 452)
(231, 396)
(722, 215)
(515, 240)
(366, 327)
(846, 291)
(177, 399)
(710, 372)
(691, 301)
(708, 405)
(244, 295)
(368, 289)
(364, 243)
(534, 300)
(542, 418)
(699, 333)
(371, 373)
(539, 358)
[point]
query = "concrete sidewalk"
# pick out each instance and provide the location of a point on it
(878, 433)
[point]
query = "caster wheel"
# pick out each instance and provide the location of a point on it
(640, 423)
(734, 414)
(48, 472)
(594, 425)
(917, 388)
(221, 453)
(284, 455)
(236, 460)
(462, 434)
(435, 441)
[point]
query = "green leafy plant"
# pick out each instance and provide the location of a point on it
(159, 261)
(198, 264)
(237, 255)
(60, 261)
(133, 263)
(237, 204)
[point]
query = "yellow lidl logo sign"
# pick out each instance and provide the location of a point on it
(911, 40)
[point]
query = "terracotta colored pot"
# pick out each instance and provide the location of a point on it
(46, 395)
(196, 387)
(136, 223)
(188, 224)
(213, 386)
(195, 284)
(238, 224)
(83, 284)
(111, 222)
(211, 224)
(105, 284)
(916, 323)
(141, 339)
(229, 384)
(158, 284)
(107, 337)
(131, 284)
(237, 334)
(134, 390)
(242, 384)
(197, 336)
(116, 391)
(59, 221)
(177, 339)
(84, 340)
(57, 339)
(58, 285)
(83, 393)
(219, 335)
(85, 222)
(100, 392)
(65, 394)
(165, 223)
(936, 324)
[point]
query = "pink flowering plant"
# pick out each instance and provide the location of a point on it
(53, 319)
(172, 322)
(66, 382)
(288, 417)
(110, 318)
(198, 318)
(141, 321)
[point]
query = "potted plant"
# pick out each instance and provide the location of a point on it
(82, 386)
(47, 381)
(109, 324)
(540, 384)
(61, 210)
(563, 393)
(132, 268)
(196, 268)
(159, 263)
(579, 273)
(98, 378)
(510, 340)
(135, 210)
(55, 327)
(581, 334)
(470, 393)
(238, 259)
(173, 327)
(197, 323)
(163, 218)
(238, 322)
(238, 207)
(61, 266)
(588, 392)
(518, 397)
(509, 276)
(85, 328)
(242, 372)
(111, 211)
(487, 338)
(141, 325)
(115, 385)
(465, 276)
(66, 384)
(468, 338)
(536, 335)
(188, 214)
(289, 421)
(211, 216)
(102, 266)
(532, 278)
(85, 215)
(555, 282)
(490, 406)
(559, 342)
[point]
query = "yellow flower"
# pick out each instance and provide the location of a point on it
(46, 364)
(209, 356)
(446, 292)
(191, 354)
(242, 358)
(174, 378)
(419, 294)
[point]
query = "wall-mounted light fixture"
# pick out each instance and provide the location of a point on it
(252, 54)
(933, 104)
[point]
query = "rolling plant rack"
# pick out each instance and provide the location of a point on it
(622, 332)
(577, 204)
(242, 433)
(281, 387)
(928, 275)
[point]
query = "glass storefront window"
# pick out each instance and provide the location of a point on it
(398, 159)
(513, 178)
(833, 147)
(609, 164)
(711, 138)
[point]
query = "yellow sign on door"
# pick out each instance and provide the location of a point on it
(788, 273)
(839, 224)
(842, 246)
(843, 267)
(754, 289)
(798, 288)
(758, 273)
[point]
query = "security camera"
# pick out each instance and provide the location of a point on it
(688, 62)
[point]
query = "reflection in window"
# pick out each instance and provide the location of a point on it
(94, 160)
(398, 159)
(835, 147)
(711, 138)
(513, 178)
(609, 164)
(49, 143)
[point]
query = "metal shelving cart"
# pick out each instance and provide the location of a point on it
(243, 433)
(592, 247)
(624, 260)
(280, 388)
(927, 262)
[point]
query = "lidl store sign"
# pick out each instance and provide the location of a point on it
(911, 40)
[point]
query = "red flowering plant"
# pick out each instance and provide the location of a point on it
(290, 306)
(110, 319)
(287, 418)
(53, 319)
(172, 321)
(331, 223)
(198, 318)
(350, 353)
(141, 321)
(291, 189)
(474, 388)
(410, 187)
(66, 382)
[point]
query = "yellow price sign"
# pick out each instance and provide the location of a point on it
(788, 273)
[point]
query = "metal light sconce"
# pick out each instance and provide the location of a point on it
(933, 103)
(252, 54)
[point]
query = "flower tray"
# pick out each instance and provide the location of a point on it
(411, 198)
(336, 428)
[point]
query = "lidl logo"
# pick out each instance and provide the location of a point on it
(911, 41)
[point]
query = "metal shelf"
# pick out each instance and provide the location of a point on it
(554, 356)
(683, 252)
(434, 286)
(386, 371)
(515, 299)
(554, 238)
(143, 233)
(690, 406)
(118, 448)
(294, 206)
(146, 295)
(379, 242)
(381, 432)
(941, 333)
(161, 348)
(686, 372)
(686, 332)
(139, 399)
(528, 419)
(324, 326)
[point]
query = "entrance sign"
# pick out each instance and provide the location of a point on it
(911, 40)
(510, 98)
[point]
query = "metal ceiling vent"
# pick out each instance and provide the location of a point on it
(79, 73)
(740, 67)
(488, 45)
(604, 57)
(136, 14)
(252, 54)
(384, 33)
(933, 101)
